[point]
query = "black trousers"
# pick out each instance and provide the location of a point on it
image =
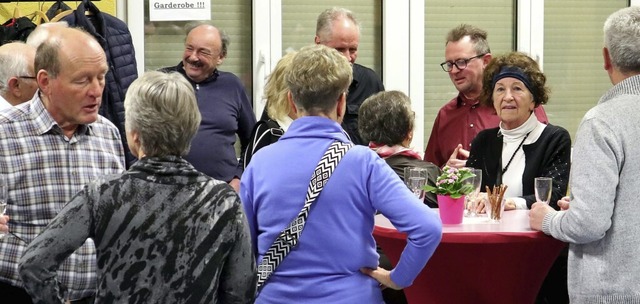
(16, 295)
(554, 288)
(12, 294)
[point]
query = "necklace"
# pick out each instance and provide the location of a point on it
(514, 153)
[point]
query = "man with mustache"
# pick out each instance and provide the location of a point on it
(223, 102)
(50, 147)
(466, 55)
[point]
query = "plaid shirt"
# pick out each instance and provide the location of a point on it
(44, 170)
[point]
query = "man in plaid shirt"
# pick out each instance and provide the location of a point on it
(49, 148)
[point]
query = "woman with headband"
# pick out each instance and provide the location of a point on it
(521, 148)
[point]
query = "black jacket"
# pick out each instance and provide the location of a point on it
(549, 156)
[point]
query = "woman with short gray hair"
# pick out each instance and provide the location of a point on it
(164, 232)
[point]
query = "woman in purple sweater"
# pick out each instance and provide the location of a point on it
(335, 260)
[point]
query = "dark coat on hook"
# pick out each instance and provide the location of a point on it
(115, 38)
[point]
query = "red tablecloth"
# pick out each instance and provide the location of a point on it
(478, 261)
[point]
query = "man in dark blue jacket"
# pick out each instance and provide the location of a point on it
(224, 105)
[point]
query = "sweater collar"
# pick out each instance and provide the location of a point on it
(630, 85)
(211, 77)
(316, 127)
(165, 169)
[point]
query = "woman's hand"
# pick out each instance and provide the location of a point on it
(381, 275)
(509, 204)
(481, 199)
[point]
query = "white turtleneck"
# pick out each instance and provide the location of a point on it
(511, 139)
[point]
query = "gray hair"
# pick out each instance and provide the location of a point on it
(386, 118)
(12, 64)
(324, 24)
(223, 35)
(622, 39)
(477, 35)
(43, 32)
(162, 108)
(316, 78)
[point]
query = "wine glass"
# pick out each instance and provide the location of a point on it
(543, 189)
(416, 178)
(472, 198)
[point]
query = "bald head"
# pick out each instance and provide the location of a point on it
(16, 72)
(64, 44)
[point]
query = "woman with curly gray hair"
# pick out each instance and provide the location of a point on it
(386, 122)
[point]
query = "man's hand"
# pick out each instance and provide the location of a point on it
(235, 183)
(563, 203)
(4, 220)
(537, 214)
(458, 158)
(381, 275)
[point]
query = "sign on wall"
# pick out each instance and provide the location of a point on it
(179, 10)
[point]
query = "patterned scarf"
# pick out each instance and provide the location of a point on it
(385, 151)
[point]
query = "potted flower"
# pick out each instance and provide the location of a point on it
(451, 189)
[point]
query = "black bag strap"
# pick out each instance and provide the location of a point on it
(264, 133)
(288, 238)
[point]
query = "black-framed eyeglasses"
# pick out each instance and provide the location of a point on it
(461, 64)
(27, 77)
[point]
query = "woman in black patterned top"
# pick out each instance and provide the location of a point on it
(164, 232)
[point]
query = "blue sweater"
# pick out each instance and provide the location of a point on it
(226, 111)
(337, 240)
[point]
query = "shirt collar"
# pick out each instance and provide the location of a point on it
(464, 101)
(44, 123)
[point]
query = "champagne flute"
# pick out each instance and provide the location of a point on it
(472, 198)
(416, 178)
(543, 186)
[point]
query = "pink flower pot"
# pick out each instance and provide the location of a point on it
(451, 209)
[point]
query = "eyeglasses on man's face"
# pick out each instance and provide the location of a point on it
(461, 64)
(27, 77)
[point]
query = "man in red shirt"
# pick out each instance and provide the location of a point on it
(466, 54)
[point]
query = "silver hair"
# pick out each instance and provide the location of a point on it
(12, 64)
(43, 32)
(162, 108)
(622, 39)
(224, 37)
(316, 78)
(324, 24)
